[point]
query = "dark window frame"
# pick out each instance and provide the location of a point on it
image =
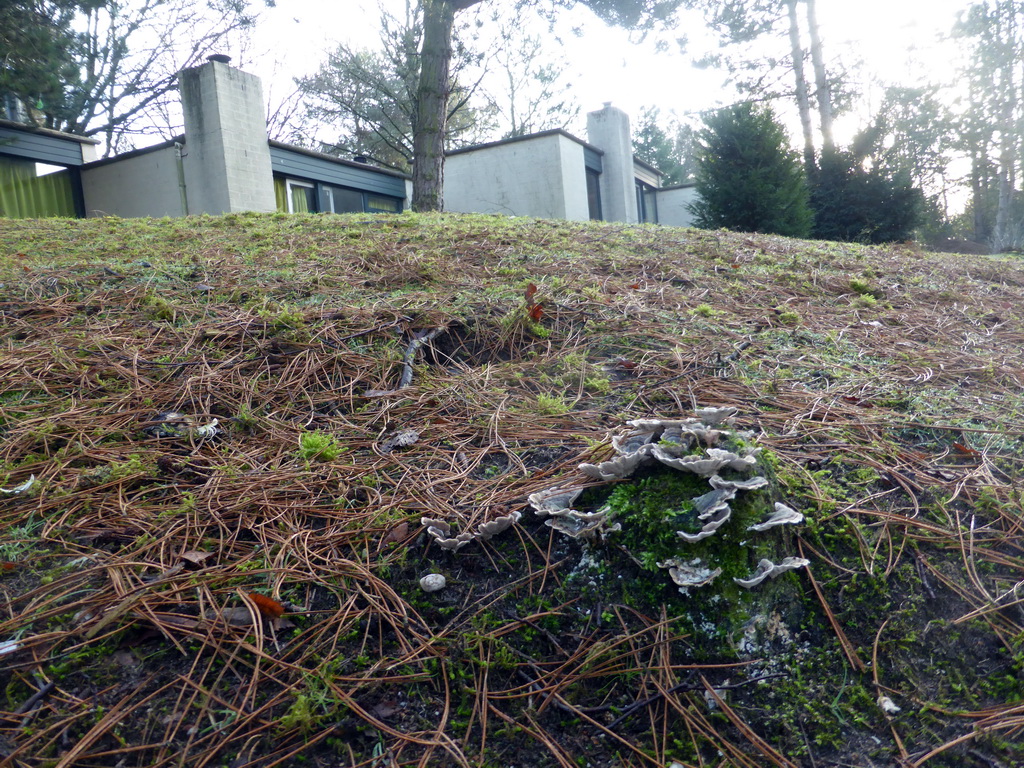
(594, 195)
(74, 178)
(323, 195)
(646, 202)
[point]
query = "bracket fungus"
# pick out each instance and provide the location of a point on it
(766, 569)
(672, 443)
(706, 449)
(497, 525)
(783, 516)
(557, 504)
(692, 574)
(441, 531)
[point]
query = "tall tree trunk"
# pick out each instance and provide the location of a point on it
(977, 198)
(828, 144)
(432, 106)
(432, 102)
(1001, 238)
(1005, 14)
(801, 87)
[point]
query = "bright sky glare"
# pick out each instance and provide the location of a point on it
(896, 39)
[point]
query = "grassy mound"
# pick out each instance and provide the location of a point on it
(251, 597)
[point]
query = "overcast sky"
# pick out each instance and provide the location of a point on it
(607, 65)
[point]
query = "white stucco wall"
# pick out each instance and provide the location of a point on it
(672, 206)
(144, 185)
(543, 176)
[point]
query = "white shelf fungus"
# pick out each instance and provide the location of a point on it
(690, 574)
(709, 528)
(554, 500)
(581, 524)
(752, 484)
(688, 446)
(498, 524)
(715, 501)
(766, 569)
(441, 532)
(713, 417)
(783, 516)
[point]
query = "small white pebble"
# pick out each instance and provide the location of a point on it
(432, 582)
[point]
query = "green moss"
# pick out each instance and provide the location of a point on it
(653, 508)
(865, 301)
(319, 446)
(860, 286)
(159, 308)
(551, 405)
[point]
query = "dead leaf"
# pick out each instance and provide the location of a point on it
(536, 312)
(125, 659)
(400, 439)
(268, 606)
(528, 294)
(395, 535)
(238, 616)
(174, 620)
(195, 558)
(384, 709)
(164, 574)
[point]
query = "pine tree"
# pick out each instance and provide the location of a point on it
(670, 151)
(37, 50)
(748, 178)
(855, 204)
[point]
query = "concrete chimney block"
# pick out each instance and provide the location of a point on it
(608, 130)
(227, 157)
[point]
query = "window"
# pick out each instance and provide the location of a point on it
(33, 190)
(646, 203)
(381, 204)
(594, 194)
(294, 196)
(344, 200)
(300, 197)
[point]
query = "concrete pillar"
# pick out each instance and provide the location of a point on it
(608, 130)
(227, 158)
